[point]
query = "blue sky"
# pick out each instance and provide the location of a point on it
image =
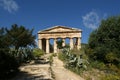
(42, 14)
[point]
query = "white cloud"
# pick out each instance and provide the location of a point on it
(9, 5)
(91, 20)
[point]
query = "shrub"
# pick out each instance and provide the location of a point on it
(38, 52)
(51, 59)
(98, 65)
(110, 77)
(61, 57)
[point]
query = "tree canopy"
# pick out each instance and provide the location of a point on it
(59, 44)
(10, 59)
(19, 36)
(104, 42)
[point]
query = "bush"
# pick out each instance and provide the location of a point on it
(110, 77)
(38, 52)
(98, 65)
(62, 57)
(51, 59)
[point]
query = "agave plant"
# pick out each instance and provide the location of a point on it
(74, 60)
(81, 62)
(22, 55)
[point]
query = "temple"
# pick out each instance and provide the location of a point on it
(59, 32)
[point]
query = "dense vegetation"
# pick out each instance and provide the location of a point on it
(104, 46)
(15, 49)
(104, 43)
(20, 37)
(102, 53)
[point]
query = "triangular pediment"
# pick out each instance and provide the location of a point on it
(59, 29)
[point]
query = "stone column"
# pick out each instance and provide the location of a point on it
(47, 46)
(78, 43)
(63, 44)
(71, 43)
(55, 45)
(40, 43)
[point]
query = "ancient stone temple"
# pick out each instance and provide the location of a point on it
(59, 32)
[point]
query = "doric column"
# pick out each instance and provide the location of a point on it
(40, 43)
(47, 46)
(71, 43)
(63, 44)
(78, 43)
(55, 45)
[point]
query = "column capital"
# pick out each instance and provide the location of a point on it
(63, 38)
(47, 38)
(55, 38)
(71, 37)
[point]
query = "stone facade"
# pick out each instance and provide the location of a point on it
(57, 32)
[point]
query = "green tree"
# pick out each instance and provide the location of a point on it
(8, 63)
(13, 49)
(59, 44)
(106, 40)
(19, 36)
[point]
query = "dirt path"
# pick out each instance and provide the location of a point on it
(43, 72)
(61, 73)
(34, 72)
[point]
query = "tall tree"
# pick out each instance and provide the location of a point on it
(59, 44)
(19, 36)
(105, 41)
(8, 63)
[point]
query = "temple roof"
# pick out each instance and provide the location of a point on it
(57, 29)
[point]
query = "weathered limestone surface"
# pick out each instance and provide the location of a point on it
(57, 32)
